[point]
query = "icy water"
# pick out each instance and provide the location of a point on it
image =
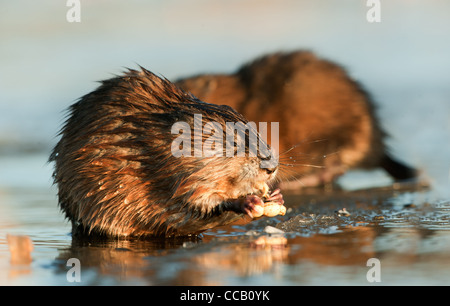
(46, 63)
(311, 245)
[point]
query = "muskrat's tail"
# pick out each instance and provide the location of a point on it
(397, 169)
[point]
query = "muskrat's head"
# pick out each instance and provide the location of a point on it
(233, 162)
(253, 176)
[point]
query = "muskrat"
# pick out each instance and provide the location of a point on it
(116, 175)
(327, 120)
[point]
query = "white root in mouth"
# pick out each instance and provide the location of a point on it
(269, 208)
(272, 209)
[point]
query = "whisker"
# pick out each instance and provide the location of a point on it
(302, 165)
(300, 143)
(300, 154)
(303, 157)
(313, 166)
(285, 175)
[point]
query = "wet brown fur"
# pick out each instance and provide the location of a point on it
(115, 172)
(327, 120)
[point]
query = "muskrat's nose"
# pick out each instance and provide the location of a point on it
(270, 170)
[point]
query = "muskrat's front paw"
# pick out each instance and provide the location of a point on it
(275, 196)
(274, 204)
(271, 206)
(252, 205)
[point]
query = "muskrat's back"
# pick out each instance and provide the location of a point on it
(117, 176)
(321, 110)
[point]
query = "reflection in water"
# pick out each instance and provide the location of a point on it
(317, 245)
(20, 248)
(352, 246)
(252, 257)
(125, 260)
(221, 259)
(175, 262)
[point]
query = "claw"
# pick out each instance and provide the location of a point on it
(252, 206)
(276, 196)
